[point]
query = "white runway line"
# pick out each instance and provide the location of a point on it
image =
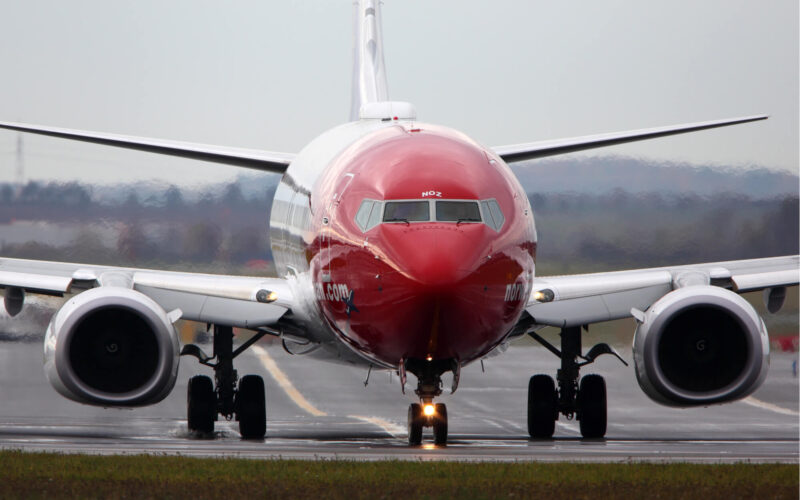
(393, 430)
(286, 384)
(769, 406)
(569, 427)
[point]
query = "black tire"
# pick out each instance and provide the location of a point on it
(440, 424)
(592, 406)
(542, 407)
(201, 404)
(251, 407)
(415, 423)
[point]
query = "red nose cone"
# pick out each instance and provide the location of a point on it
(436, 288)
(433, 292)
(436, 256)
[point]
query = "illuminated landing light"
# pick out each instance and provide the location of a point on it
(545, 295)
(429, 358)
(266, 296)
(428, 410)
(428, 446)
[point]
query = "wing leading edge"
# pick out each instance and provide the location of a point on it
(240, 157)
(239, 301)
(540, 149)
(593, 298)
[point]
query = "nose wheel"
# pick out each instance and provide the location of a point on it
(427, 415)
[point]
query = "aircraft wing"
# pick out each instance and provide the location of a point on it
(249, 158)
(531, 150)
(241, 301)
(565, 301)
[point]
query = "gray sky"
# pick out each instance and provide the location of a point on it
(272, 75)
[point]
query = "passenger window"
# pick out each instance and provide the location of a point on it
(458, 211)
(492, 214)
(406, 211)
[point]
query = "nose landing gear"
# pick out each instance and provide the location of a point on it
(426, 413)
(586, 401)
(232, 397)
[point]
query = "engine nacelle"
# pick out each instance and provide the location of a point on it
(111, 346)
(700, 345)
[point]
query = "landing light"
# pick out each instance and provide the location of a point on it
(428, 410)
(266, 296)
(545, 295)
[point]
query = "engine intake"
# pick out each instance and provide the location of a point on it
(700, 345)
(112, 346)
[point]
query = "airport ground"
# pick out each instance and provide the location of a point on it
(318, 410)
(31, 475)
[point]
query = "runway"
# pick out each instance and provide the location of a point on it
(317, 410)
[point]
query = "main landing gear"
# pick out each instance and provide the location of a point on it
(426, 413)
(586, 401)
(232, 397)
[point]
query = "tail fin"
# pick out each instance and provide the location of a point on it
(369, 72)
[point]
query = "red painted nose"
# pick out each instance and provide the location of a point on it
(436, 255)
(438, 295)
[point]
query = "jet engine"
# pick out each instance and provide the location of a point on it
(111, 346)
(700, 345)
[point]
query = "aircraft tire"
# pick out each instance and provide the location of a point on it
(415, 424)
(251, 407)
(201, 407)
(592, 410)
(542, 409)
(440, 424)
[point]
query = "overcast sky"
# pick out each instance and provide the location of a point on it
(272, 75)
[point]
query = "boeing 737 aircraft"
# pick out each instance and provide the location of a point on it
(402, 246)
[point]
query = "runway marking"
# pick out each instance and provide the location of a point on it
(569, 427)
(393, 430)
(769, 406)
(286, 384)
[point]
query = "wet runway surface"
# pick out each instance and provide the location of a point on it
(318, 410)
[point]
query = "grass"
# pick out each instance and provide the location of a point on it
(47, 475)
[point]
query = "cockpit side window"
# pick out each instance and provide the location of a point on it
(368, 215)
(407, 211)
(458, 211)
(492, 214)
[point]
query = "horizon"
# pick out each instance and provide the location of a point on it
(254, 75)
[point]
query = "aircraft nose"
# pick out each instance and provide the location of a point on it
(429, 290)
(437, 255)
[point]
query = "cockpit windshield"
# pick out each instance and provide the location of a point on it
(407, 211)
(458, 211)
(374, 212)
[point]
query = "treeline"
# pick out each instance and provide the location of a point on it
(224, 230)
(620, 229)
(74, 201)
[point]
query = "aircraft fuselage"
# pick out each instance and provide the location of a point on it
(405, 241)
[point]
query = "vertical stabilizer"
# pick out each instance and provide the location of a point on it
(369, 72)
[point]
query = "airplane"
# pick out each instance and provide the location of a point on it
(401, 246)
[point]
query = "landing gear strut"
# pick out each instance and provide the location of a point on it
(426, 413)
(231, 397)
(586, 401)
